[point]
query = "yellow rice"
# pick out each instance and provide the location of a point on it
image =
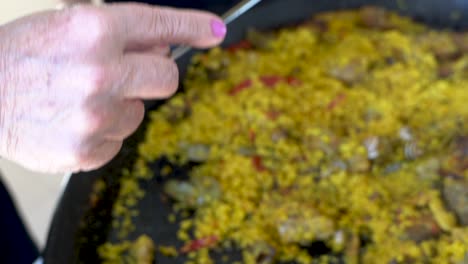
(327, 123)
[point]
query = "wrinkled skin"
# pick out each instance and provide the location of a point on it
(72, 81)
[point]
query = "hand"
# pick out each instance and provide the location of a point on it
(72, 81)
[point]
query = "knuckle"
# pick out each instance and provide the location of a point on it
(140, 110)
(81, 157)
(169, 26)
(194, 28)
(137, 113)
(78, 155)
(172, 78)
(90, 24)
(95, 79)
(98, 154)
(92, 122)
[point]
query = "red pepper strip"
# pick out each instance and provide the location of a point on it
(244, 44)
(241, 86)
(335, 102)
(257, 163)
(272, 114)
(271, 80)
(267, 80)
(435, 229)
(293, 81)
(198, 244)
(252, 135)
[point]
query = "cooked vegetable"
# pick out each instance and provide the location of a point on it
(199, 191)
(143, 250)
(200, 243)
(140, 251)
(456, 195)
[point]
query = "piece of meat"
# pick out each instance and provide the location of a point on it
(461, 41)
(455, 193)
(375, 18)
(350, 74)
(423, 228)
(442, 46)
(263, 253)
(445, 70)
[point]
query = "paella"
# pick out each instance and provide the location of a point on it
(349, 131)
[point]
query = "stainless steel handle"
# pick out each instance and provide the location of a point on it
(228, 17)
(239, 10)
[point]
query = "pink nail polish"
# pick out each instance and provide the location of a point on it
(219, 28)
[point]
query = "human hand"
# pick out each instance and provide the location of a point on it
(72, 81)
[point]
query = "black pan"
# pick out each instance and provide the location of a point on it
(78, 228)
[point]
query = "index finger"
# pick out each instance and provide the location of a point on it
(147, 25)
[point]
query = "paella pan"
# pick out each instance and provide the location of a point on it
(338, 139)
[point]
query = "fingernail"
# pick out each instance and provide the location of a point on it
(219, 28)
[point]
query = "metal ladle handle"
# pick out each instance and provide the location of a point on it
(228, 17)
